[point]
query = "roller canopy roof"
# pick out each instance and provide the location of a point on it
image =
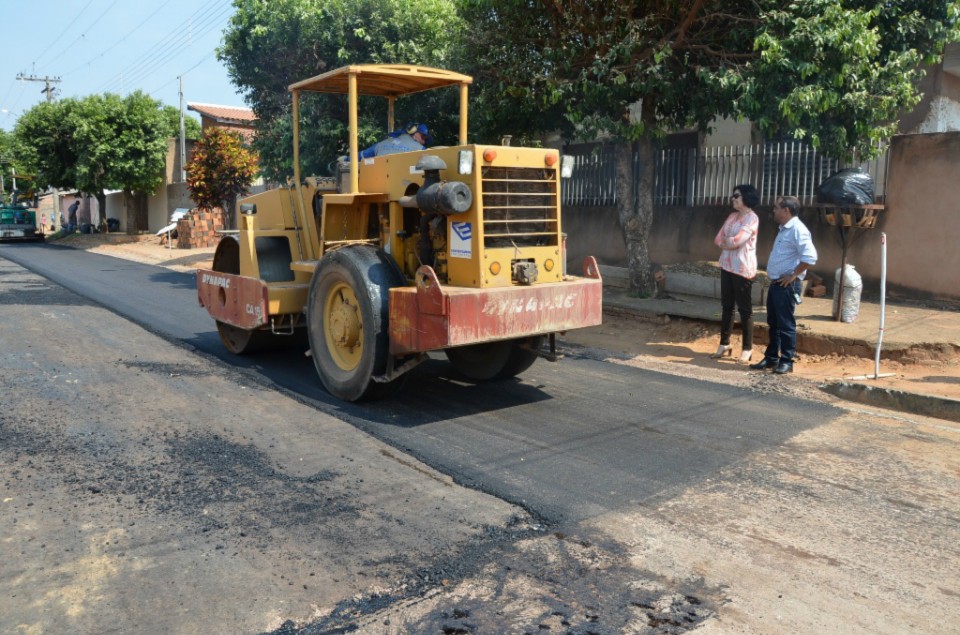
(384, 80)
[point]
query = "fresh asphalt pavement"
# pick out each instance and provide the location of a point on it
(567, 441)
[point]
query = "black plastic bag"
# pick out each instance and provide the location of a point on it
(851, 186)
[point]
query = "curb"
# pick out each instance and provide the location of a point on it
(913, 403)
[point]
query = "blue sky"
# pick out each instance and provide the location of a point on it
(97, 46)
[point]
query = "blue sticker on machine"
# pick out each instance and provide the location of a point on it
(461, 243)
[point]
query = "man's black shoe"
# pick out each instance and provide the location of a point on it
(783, 369)
(763, 364)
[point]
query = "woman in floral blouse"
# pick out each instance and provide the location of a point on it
(737, 240)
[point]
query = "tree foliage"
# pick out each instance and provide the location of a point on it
(191, 127)
(10, 164)
(220, 170)
(95, 120)
(597, 59)
(270, 44)
(835, 72)
(631, 71)
(839, 74)
(45, 139)
(141, 133)
(98, 143)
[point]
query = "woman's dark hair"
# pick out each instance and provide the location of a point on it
(749, 194)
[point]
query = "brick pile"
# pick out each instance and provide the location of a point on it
(815, 286)
(198, 229)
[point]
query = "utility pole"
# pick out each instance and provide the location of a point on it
(183, 140)
(48, 89)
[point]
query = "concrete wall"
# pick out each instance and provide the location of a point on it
(172, 168)
(729, 132)
(117, 209)
(157, 214)
(920, 221)
(939, 109)
(178, 195)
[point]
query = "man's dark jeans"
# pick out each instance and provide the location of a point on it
(781, 304)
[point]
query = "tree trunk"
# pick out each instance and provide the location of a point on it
(230, 212)
(136, 204)
(635, 209)
(102, 202)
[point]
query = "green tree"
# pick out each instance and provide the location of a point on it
(220, 170)
(45, 138)
(95, 120)
(269, 45)
(10, 163)
(833, 71)
(141, 134)
(191, 127)
(100, 142)
(631, 71)
(838, 74)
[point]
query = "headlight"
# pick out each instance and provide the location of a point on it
(566, 166)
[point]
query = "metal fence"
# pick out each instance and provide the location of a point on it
(594, 180)
(259, 186)
(706, 176)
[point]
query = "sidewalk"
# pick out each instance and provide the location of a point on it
(925, 340)
(911, 334)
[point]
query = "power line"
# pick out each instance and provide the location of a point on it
(84, 33)
(191, 33)
(202, 60)
(120, 41)
(23, 89)
(210, 23)
(196, 32)
(7, 94)
(170, 39)
(65, 29)
(165, 42)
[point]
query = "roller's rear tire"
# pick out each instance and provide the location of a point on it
(480, 362)
(242, 341)
(495, 360)
(226, 259)
(522, 356)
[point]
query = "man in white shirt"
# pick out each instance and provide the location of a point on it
(792, 255)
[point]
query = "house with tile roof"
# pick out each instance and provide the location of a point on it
(237, 118)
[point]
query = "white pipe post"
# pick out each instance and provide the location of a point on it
(883, 299)
(883, 302)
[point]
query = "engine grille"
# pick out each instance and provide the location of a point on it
(520, 207)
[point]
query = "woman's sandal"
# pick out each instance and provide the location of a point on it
(724, 350)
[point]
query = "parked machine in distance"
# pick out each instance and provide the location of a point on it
(453, 248)
(18, 222)
(18, 217)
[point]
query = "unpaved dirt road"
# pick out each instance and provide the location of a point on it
(144, 488)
